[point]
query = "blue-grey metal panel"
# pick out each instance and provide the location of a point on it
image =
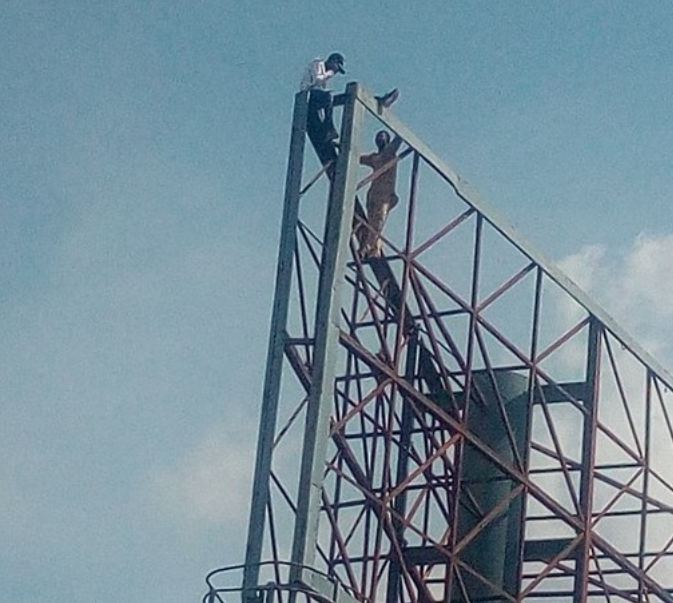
(332, 275)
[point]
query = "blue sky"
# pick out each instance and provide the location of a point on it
(143, 158)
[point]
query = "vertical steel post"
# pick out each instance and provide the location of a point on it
(453, 581)
(400, 502)
(321, 396)
(588, 458)
(274, 362)
(642, 589)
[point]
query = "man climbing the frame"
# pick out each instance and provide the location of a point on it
(381, 196)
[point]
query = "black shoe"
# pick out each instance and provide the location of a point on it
(331, 135)
(388, 99)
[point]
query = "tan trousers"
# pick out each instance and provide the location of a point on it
(377, 212)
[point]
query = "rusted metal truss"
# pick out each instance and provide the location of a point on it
(379, 477)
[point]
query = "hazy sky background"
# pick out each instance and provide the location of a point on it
(143, 155)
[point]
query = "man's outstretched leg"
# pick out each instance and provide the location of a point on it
(388, 99)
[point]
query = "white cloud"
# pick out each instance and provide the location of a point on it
(649, 276)
(635, 287)
(210, 485)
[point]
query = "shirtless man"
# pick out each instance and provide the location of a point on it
(381, 196)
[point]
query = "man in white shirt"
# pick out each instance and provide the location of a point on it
(315, 80)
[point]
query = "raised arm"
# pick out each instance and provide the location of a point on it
(394, 145)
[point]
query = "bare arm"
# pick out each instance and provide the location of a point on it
(366, 160)
(394, 146)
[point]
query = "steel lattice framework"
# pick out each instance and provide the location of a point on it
(454, 421)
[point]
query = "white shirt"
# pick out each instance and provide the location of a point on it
(316, 76)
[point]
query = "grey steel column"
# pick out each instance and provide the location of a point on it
(321, 396)
(495, 548)
(274, 361)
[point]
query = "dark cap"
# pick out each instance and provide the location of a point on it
(337, 60)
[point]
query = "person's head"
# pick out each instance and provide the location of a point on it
(335, 62)
(382, 139)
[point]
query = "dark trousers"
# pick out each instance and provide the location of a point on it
(320, 100)
(317, 127)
